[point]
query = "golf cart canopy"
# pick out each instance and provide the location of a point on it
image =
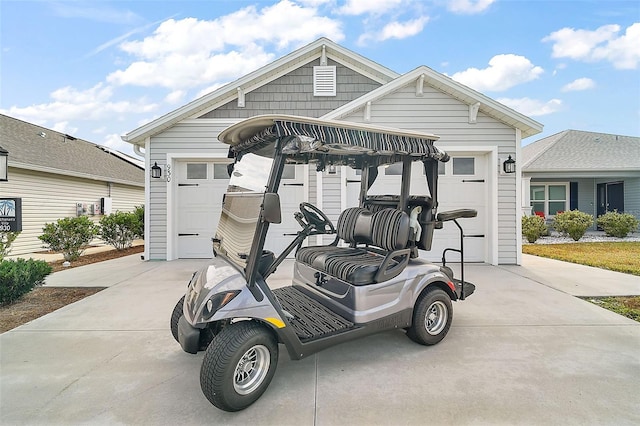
(308, 140)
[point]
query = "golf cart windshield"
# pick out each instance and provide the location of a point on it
(241, 208)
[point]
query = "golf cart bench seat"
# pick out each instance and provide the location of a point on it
(384, 256)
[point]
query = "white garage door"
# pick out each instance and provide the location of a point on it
(461, 184)
(201, 185)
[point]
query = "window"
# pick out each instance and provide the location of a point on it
(549, 199)
(220, 171)
(196, 171)
(289, 172)
(464, 166)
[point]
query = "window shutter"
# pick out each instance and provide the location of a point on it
(324, 80)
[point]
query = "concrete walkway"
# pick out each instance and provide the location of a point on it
(521, 350)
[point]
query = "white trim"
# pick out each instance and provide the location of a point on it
(319, 199)
(147, 199)
(260, 77)
(451, 87)
(172, 208)
(420, 86)
(518, 211)
(473, 112)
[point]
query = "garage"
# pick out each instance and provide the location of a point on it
(462, 184)
(200, 186)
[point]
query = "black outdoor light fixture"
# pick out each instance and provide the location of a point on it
(156, 171)
(509, 165)
(4, 164)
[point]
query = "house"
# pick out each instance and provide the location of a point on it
(57, 175)
(323, 79)
(591, 172)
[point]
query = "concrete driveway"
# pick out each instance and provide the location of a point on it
(519, 352)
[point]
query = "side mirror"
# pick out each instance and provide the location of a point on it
(271, 208)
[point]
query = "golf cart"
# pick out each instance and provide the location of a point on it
(369, 278)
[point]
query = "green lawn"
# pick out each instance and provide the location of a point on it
(621, 257)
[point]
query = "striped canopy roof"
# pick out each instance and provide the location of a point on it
(309, 137)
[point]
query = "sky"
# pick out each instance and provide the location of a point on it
(100, 69)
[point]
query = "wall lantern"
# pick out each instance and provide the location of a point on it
(156, 171)
(509, 165)
(4, 165)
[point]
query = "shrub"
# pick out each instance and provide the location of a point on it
(533, 227)
(618, 224)
(573, 223)
(6, 239)
(139, 212)
(119, 229)
(69, 235)
(18, 277)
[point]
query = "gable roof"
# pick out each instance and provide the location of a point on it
(575, 150)
(37, 148)
(261, 77)
(454, 89)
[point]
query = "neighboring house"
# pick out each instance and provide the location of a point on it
(326, 80)
(591, 172)
(57, 175)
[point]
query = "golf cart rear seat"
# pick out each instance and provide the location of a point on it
(384, 256)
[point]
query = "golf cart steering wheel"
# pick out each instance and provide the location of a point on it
(314, 216)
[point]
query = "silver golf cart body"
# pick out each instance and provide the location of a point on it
(369, 279)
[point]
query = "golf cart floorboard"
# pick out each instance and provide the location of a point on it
(311, 319)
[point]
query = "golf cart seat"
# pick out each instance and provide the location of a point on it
(386, 235)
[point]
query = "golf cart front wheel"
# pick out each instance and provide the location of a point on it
(175, 317)
(432, 317)
(239, 365)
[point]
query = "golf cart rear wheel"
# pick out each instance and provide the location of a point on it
(239, 365)
(432, 317)
(175, 317)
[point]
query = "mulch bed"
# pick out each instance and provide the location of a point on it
(41, 301)
(86, 259)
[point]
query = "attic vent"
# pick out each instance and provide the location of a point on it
(324, 80)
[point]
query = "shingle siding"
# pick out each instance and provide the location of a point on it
(293, 94)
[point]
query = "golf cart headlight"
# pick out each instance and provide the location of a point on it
(217, 301)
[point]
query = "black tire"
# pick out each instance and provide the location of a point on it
(239, 365)
(175, 317)
(432, 316)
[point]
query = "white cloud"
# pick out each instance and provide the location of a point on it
(604, 43)
(532, 107)
(579, 84)
(191, 52)
(69, 104)
(374, 7)
(469, 6)
(397, 30)
(503, 72)
(64, 127)
(175, 97)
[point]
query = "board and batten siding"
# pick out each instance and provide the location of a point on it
(195, 136)
(47, 197)
(438, 113)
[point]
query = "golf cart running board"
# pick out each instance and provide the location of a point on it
(310, 319)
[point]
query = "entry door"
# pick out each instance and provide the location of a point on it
(610, 197)
(200, 187)
(292, 192)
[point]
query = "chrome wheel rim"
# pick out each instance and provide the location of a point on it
(251, 370)
(436, 318)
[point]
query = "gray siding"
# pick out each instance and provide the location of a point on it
(293, 94)
(438, 113)
(47, 197)
(189, 137)
(632, 196)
